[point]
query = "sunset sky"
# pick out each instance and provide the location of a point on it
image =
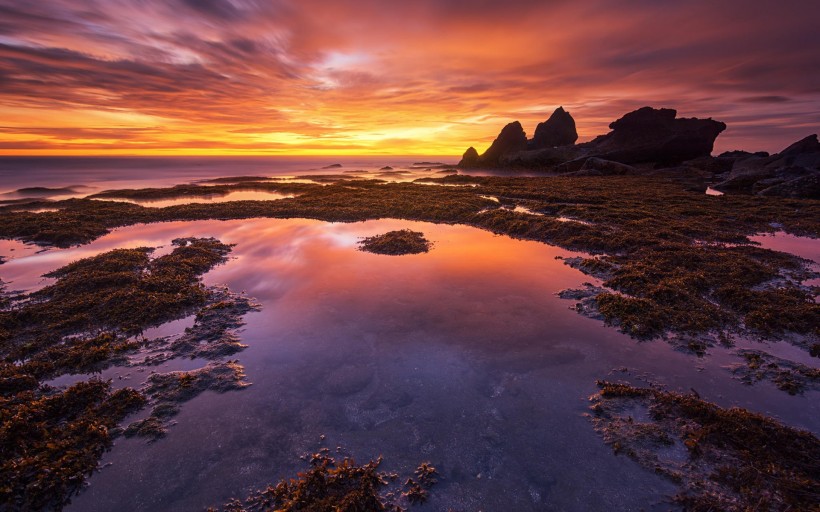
(423, 77)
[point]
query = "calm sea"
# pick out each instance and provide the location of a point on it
(124, 172)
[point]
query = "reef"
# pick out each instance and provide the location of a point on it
(789, 376)
(88, 319)
(723, 459)
(678, 260)
(395, 243)
(330, 486)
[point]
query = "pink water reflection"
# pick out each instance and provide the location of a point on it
(463, 356)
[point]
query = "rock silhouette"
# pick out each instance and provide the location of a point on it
(656, 135)
(511, 139)
(558, 130)
(646, 135)
(469, 159)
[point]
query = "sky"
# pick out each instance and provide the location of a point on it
(414, 77)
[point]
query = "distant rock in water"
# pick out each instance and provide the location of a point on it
(794, 172)
(558, 130)
(656, 135)
(386, 168)
(332, 166)
(469, 159)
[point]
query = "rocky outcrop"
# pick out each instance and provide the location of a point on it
(511, 140)
(558, 130)
(656, 135)
(794, 172)
(645, 136)
(469, 159)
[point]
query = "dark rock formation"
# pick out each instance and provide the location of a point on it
(655, 135)
(739, 154)
(511, 139)
(469, 159)
(794, 172)
(647, 135)
(599, 167)
(558, 130)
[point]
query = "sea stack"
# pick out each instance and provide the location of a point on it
(558, 130)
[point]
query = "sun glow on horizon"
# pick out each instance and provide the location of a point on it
(427, 78)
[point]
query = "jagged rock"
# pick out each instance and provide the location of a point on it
(511, 139)
(470, 158)
(655, 135)
(646, 135)
(558, 130)
(794, 172)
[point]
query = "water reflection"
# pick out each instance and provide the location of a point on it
(240, 195)
(462, 356)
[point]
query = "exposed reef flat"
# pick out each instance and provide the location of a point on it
(672, 261)
(344, 485)
(91, 318)
(723, 459)
(677, 260)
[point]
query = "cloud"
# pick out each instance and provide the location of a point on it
(235, 73)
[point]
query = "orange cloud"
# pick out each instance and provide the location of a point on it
(372, 77)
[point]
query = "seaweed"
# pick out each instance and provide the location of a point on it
(331, 486)
(51, 439)
(723, 459)
(679, 261)
(793, 378)
(395, 243)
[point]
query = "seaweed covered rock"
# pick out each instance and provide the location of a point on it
(723, 459)
(330, 486)
(558, 130)
(396, 243)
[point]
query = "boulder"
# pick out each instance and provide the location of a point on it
(558, 130)
(656, 135)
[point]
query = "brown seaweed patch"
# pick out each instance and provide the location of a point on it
(667, 251)
(330, 486)
(723, 459)
(213, 335)
(789, 376)
(395, 243)
(50, 440)
(166, 390)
